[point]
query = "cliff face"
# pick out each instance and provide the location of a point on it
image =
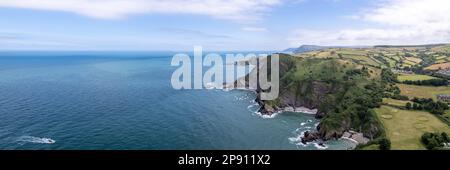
(312, 99)
(342, 94)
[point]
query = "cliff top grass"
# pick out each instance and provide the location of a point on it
(321, 70)
(405, 127)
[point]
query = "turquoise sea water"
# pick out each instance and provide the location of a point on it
(124, 100)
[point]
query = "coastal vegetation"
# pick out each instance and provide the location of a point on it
(343, 91)
(387, 93)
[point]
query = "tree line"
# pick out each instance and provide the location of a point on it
(435, 141)
(431, 82)
(429, 105)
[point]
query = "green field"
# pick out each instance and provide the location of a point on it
(441, 57)
(372, 147)
(362, 59)
(423, 91)
(394, 102)
(414, 60)
(413, 77)
(438, 66)
(404, 128)
(447, 114)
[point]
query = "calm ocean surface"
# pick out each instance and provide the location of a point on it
(124, 100)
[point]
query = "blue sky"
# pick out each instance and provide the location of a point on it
(218, 24)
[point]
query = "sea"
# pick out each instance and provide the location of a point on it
(60, 100)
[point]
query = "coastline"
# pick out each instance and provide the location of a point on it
(300, 110)
(269, 110)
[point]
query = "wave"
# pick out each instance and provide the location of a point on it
(252, 106)
(267, 116)
(32, 139)
(297, 139)
(320, 146)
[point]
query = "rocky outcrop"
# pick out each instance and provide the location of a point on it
(355, 137)
(309, 137)
(319, 89)
(311, 99)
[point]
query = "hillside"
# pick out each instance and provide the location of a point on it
(344, 93)
(430, 58)
(348, 86)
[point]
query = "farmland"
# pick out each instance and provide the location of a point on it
(423, 91)
(413, 77)
(404, 128)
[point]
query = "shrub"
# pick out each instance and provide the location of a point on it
(385, 144)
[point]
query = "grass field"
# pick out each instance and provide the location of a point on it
(447, 114)
(372, 147)
(391, 62)
(409, 62)
(423, 91)
(413, 77)
(363, 59)
(404, 128)
(414, 59)
(396, 58)
(441, 61)
(394, 102)
(438, 66)
(441, 57)
(445, 49)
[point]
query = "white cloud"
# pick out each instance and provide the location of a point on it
(236, 10)
(254, 29)
(398, 22)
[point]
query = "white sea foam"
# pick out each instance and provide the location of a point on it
(32, 139)
(317, 124)
(320, 146)
(273, 115)
(297, 139)
(252, 105)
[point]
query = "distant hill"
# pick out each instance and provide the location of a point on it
(410, 46)
(309, 48)
(305, 48)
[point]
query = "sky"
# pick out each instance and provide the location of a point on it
(219, 25)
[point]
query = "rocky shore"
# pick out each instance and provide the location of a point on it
(355, 137)
(310, 96)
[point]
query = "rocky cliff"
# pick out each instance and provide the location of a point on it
(340, 91)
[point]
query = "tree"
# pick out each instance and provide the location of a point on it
(385, 144)
(408, 106)
(434, 141)
(388, 76)
(445, 137)
(415, 106)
